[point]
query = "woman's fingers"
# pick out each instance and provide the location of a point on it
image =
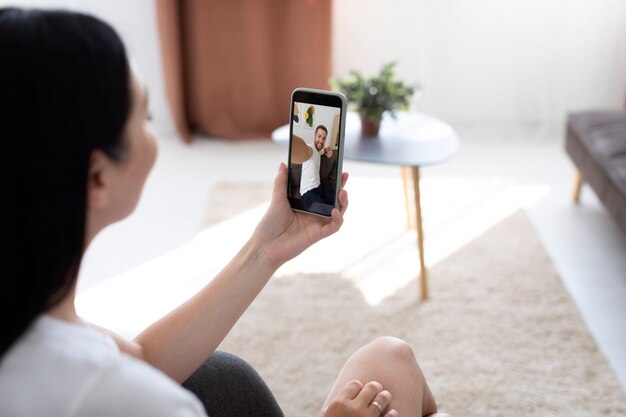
(280, 183)
(358, 400)
(343, 201)
(337, 214)
(350, 390)
(376, 400)
(335, 224)
(381, 401)
(368, 393)
(344, 179)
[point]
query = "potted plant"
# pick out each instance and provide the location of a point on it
(375, 95)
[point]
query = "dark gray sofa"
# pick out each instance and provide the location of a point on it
(328, 174)
(596, 143)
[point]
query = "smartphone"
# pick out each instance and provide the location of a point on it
(316, 135)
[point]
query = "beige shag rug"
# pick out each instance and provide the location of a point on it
(499, 337)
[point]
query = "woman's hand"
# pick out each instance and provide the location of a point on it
(282, 233)
(358, 400)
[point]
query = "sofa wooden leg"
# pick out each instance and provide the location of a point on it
(578, 183)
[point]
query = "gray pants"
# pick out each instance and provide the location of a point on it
(228, 386)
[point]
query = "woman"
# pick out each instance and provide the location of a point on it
(75, 156)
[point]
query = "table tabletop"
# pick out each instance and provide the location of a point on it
(410, 139)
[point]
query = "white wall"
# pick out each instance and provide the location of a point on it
(479, 61)
(135, 21)
(323, 116)
(491, 61)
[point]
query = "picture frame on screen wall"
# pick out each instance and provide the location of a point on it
(296, 117)
(308, 118)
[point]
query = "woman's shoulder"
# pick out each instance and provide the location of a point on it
(132, 387)
(73, 370)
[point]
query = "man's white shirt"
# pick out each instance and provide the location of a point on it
(311, 171)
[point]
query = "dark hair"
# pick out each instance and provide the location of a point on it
(321, 127)
(64, 92)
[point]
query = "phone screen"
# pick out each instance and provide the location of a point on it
(315, 150)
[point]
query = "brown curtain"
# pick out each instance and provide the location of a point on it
(230, 66)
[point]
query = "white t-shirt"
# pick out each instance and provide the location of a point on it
(59, 368)
(310, 178)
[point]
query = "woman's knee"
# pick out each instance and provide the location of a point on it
(224, 369)
(223, 366)
(389, 348)
(229, 386)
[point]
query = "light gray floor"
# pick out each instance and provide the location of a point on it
(584, 243)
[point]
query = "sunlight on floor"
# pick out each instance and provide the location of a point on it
(455, 211)
(374, 250)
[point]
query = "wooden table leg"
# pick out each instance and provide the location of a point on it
(420, 233)
(406, 177)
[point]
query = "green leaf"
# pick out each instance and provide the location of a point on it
(377, 94)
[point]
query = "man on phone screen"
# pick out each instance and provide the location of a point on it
(311, 188)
